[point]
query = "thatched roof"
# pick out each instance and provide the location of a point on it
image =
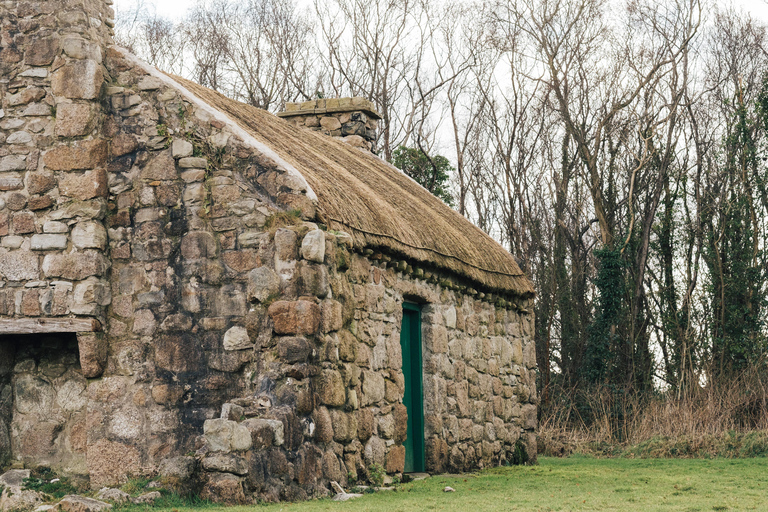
(379, 206)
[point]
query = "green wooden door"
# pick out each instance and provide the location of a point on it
(410, 342)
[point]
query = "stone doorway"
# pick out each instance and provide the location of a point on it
(43, 402)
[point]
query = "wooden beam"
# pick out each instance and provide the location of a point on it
(39, 325)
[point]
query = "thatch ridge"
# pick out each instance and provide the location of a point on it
(378, 205)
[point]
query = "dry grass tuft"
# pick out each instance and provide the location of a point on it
(726, 418)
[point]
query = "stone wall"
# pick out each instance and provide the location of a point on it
(353, 120)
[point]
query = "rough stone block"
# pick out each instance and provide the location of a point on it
(84, 186)
(25, 96)
(93, 353)
(75, 503)
(23, 223)
(193, 162)
(224, 488)
(198, 244)
(48, 242)
(89, 235)
(265, 432)
(19, 265)
(330, 388)
(373, 387)
(160, 167)
(42, 51)
(13, 163)
(225, 435)
(295, 317)
(73, 119)
(395, 459)
(78, 80)
(86, 154)
(313, 246)
(75, 266)
(293, 350)
(331, 316)
(236, 338)
(226, 463)
(181, 148)
(263, 283)
(39, 183)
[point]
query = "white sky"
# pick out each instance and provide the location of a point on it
(177, 8)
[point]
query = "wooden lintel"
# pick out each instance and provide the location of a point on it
(48, 325)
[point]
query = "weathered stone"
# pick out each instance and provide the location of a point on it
(294, 350)
(42, 51)
(373, 387)
(236, 338)
(180, 469)
(225, 435)
(75, 503)
(313, 246)
(84, 186)
(122, 144)
(40, 202)
(26, 95)
(48, 242)
(14, 477)
(149, 83)
(89, 235)
(86, 154)
(114, 495)
(19, 265)
(224, 488)
(16, 201)
(53, 226)
(18, 500)
(226, 463)
(93, 353)
(263, 283)
(181, 148)
(160, 167)
(73, 119)
(110, 462)
(344, 425)
(78, 48)
(331, 316)
(148, 498)
(20, 137)
(13, 163)
(193, 162)
(11, 182)
(23, 223)
(80, 79)
(297, 317)
(88, 295)
(330, 123)
(198, 244)
(285, 244)
(330, 388)
(38, 183)
(75, 266)
(395, 459)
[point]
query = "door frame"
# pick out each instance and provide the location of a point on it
(413, 397)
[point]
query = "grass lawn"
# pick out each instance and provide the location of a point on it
(575, 483)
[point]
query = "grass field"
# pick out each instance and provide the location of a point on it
(575, 483)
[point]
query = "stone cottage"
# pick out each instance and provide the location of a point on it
(195, 289)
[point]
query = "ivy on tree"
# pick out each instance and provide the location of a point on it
(431, 172)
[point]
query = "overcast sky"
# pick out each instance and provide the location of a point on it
(177, 8)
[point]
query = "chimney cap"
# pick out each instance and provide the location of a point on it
(330, 106)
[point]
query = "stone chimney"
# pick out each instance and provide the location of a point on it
(353, 120)
(53, 180)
